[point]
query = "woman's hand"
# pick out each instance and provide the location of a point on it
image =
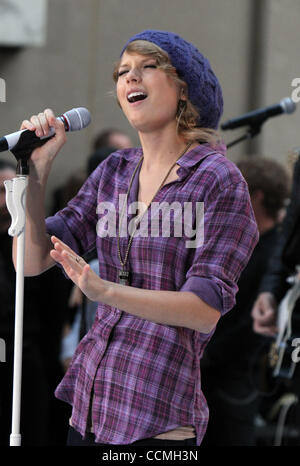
(78, 270)
(42, 156)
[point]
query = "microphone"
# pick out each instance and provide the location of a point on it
(26, 140)
(257, 117)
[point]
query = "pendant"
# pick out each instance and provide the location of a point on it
(124, 277)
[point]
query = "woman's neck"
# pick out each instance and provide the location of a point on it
(161, 150)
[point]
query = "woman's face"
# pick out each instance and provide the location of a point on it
(147, 95)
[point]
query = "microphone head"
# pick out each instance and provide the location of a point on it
(287, 105)
(78, 118)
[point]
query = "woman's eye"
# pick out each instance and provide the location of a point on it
(120, 73)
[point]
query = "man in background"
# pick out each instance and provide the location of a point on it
(230, 372)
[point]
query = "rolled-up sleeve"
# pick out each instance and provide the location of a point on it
(230, 235)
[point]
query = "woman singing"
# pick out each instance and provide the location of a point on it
(162, 285)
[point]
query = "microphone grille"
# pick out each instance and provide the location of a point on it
(288, 105)
(78, 118)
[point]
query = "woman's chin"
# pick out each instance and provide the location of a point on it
(151, 126)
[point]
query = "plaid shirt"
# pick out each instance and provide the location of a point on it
(144, 377)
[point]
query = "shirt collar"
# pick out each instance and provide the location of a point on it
(189, 159)
(193, 156)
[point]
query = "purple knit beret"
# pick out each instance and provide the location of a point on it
(204, 90)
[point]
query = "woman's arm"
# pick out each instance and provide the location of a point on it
(178, 308)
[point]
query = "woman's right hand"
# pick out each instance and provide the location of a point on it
(43, 156)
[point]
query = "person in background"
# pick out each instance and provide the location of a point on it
(272, 291)
(283, 263)
(230, 364)
(104, 143)
(112, 137)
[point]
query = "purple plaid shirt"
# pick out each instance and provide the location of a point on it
(144, 377)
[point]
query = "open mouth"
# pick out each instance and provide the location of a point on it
(136, 96)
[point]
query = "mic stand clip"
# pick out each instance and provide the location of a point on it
(251, 133)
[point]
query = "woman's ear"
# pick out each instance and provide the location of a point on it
(183, 95)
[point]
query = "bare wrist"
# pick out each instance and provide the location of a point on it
(107, 292)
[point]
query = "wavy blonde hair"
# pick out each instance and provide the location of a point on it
(187, 114)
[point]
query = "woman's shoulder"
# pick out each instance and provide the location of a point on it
(219, 171)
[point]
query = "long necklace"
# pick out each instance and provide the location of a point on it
(124, 275)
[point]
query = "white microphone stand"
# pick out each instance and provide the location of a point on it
(16, 205)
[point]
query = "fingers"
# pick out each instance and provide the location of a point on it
(266, 330)
(72, 269)
(57, 124)
(76, 262)
(264, 315)
(42, 123)
(59, 243)
(66, 256)
(77, 270)
(75, 267)
(264, 307)
(26, 124)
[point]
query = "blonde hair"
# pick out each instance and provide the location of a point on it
(187, 114)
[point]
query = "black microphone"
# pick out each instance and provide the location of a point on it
(257, 117)
(26, 140)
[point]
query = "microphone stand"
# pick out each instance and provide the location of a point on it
(252, 131)
(16, 205)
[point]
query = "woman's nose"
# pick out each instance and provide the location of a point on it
(133, 75)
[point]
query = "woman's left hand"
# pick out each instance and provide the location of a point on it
(77, 270)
